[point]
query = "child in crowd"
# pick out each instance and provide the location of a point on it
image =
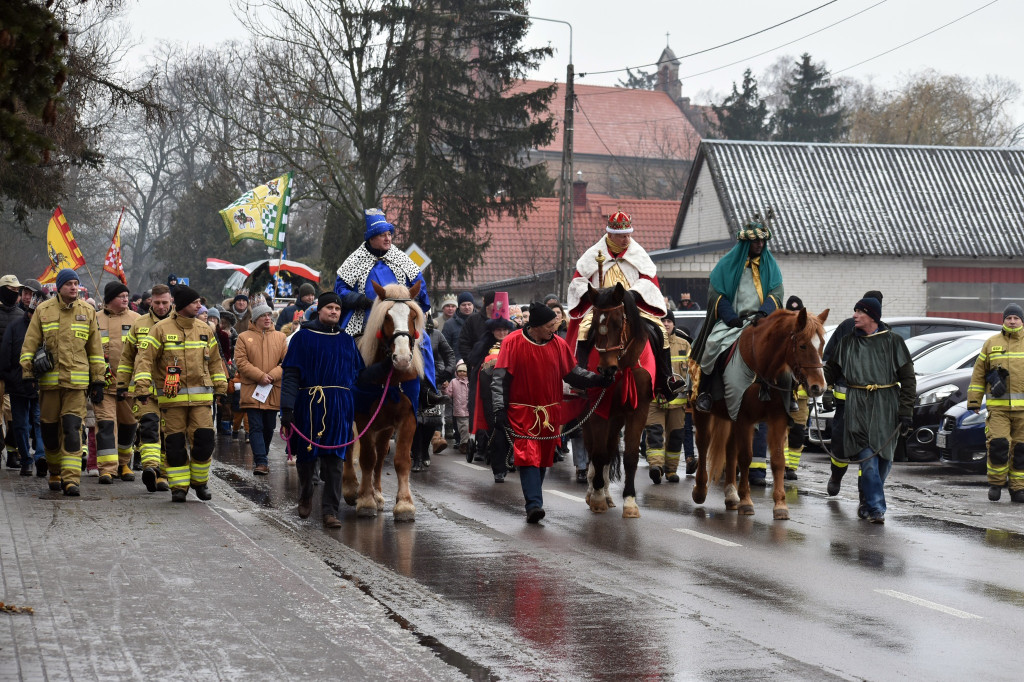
(458, 390)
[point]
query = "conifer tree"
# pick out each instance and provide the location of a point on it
(812, 111)
(742, 115)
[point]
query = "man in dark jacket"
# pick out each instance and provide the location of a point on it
(10, 295)
(307, 294)
(475, 326)
(24, 395)
(453, 328)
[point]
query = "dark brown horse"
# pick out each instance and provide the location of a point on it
(620, 339)
(784, 342)
(392, 331)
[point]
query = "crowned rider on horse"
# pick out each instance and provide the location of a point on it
(378, 260)
(618, 259)
(745, 286)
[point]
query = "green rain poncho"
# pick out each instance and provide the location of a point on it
(882, 388)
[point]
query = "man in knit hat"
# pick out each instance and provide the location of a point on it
(449, 304)
(999, 378)
(115, 422)
(526, 383)
(882, 388)
(147, 414)
(181, 359)
(293, 313)
(619, 259)
(452, 332)
(70, 366)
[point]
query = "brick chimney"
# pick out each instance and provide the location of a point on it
(579, 195)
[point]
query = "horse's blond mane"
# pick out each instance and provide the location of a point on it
(369, 344)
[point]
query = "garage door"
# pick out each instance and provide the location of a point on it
(974, 293)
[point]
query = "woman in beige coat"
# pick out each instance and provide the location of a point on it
(258, 356)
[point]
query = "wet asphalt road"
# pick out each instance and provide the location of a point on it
(686, 591)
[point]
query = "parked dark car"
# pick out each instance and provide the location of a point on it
(690, 321)
(936, 394)
(960, 439)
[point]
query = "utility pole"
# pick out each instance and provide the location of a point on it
(566, 246)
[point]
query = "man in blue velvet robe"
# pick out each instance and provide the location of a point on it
(378, 260)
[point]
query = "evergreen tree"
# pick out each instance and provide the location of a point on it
(641, 80)
(469, 130)
(812, 111)
(742, 115)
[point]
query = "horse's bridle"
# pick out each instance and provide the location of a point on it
(799, 373)
(624, 345)
(389, 343)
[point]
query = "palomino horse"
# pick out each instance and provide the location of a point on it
(785, 341)
(392, 332)
(619, 339)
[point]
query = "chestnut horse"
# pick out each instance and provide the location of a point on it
(620, 339)
(784, 342)
(392, 332)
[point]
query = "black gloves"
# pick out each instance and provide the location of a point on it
(996, 379)
(287, 416)
(603, 380)
(828, 401)
(122, 394)
(30, 385)
(757, 316)
(364, 302)
(735, 322)
(500, 419)
(96, 392)
(42, 361)
(906, 425)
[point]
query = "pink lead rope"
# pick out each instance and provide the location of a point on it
(287, 431)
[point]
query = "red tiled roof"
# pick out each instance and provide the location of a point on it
(531, 245)
(621, 122)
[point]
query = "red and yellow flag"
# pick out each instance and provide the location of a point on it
(61, 248)
(112, 263)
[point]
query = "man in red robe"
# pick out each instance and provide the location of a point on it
(526, 390)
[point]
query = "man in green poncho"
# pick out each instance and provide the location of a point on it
(880, 398)
(745, 286)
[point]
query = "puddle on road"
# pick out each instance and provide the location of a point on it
(994, 537)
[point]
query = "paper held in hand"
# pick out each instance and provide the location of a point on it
(261, 393)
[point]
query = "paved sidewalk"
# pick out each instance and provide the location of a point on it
(127, 585)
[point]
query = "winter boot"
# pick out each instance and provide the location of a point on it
(54, 483)
(126, 473)
(13, 462)
(417, 464)
(835, 480)
(757, 477)
(149, 479)
(179, 494)
(202, 492)
(71, 490)
(791, 474)
(655, 473)
(1017, 496)
(995, 492)
(41, 468)
(26, 466)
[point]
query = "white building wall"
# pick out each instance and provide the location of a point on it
(835, 282)
(704, 220)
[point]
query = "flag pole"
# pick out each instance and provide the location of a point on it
(96, 287)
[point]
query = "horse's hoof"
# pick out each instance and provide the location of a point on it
(746, 510)
(379, 499)
(368, 511)
(588, 498)
(781, 514)
(731, 496)
(350, 500)
(610, 502)
(699, 495)
(599, 506)
(405, 514)
(731, 505)
(630, 511)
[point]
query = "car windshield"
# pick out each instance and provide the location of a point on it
(950, 356)
(916, 344)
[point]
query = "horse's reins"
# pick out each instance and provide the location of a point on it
(799, 375)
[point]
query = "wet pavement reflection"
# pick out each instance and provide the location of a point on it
(587, 596)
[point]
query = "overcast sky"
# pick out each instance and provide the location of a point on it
(613, 34)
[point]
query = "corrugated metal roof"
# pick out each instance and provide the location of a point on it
(871, 199)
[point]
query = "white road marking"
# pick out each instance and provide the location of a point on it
(709, 538)
(474, 466)
(928, 604)
(567, 496)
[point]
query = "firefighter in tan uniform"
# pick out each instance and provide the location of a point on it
(148, 413)
(181, 358)
(999, 377)
(666, 418)
(115, 423)
(70, 366)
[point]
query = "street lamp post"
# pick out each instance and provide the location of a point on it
(566, 249)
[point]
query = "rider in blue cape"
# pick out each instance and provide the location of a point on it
(378, 260)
